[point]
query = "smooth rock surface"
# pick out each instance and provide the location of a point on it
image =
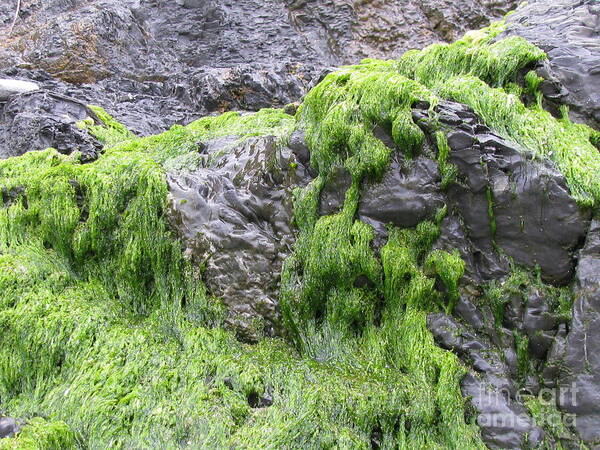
(569, 32)
(234, 215)
(408, 194)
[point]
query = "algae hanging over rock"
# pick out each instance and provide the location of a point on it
(113, 336)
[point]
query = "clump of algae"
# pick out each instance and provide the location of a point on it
(108, 329)
(40, 434)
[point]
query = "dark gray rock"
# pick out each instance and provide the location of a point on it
(568, 31)
(297, 143)
(502, 418)
(504, 423)
(9, 427)
(580, 383)
(334, 191)
(408, 194)
(38, 120)
(153, 63)
(509, 200)
(537, 221)
(234, 215)
(554, 363)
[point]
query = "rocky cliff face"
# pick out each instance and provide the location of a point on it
(153, 63)
(406, 257)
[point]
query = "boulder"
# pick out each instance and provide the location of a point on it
(41, 119)
(509, 200)
(234, 214)
(408, 194)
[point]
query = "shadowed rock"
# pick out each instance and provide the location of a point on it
(580, 382)
(505, 198)
(8, 427)
(504, 421)
(408, 194)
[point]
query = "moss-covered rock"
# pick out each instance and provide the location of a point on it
(112, 329)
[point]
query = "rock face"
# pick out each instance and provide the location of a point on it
(155, 63)
(567, 30)
(580, 381)
(40, 119)
(505, 200)
(502, 202)
(408, 194)
(504, 421)
(234, 214)
(502, 205)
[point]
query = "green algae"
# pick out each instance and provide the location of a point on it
(40, 434)
(109, 329)
(482, 76)
(344, 304)
(564, 142)
(556, 424)
(108, 131)
(448, 171)
(383, 328)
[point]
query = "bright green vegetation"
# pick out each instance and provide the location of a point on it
(39, 434)
(109, 132)
(522, 283)
(380, 329)
(473, 72)
(107, 328)
(448, 171)
(556, 425)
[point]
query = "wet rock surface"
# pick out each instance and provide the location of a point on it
(505, 199)
(154, 63)
(504, 203)
(40, 119)
(503, 419)
(568, 31)
(234, 214)
(9, 427)
(408, 194)
(580, 380)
